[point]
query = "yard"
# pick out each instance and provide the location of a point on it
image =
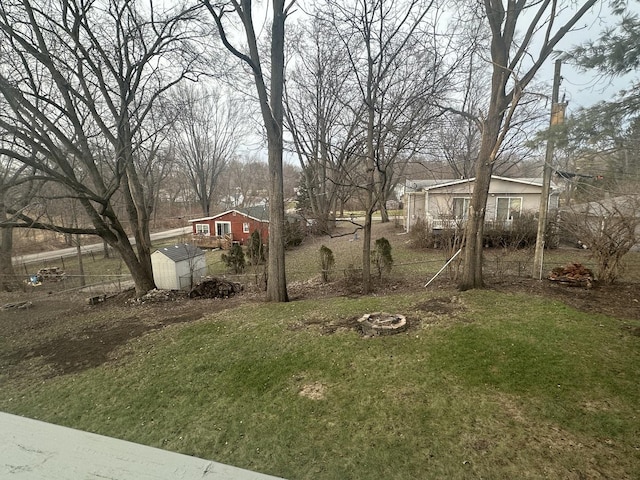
(526, 379)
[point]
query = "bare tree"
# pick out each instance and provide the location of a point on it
(271, 107)
(523, 35)
(395, 71)
(324, 128)
(207, 131)
(243, 183)
(459, 135)
(81, 81)
(609, 228)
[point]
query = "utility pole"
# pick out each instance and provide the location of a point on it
(557, 117)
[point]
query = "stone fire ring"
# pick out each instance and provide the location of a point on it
(381, 323)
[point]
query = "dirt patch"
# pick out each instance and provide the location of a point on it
(326, 327)
(441, 311)
(90, 349)
(66, 335)
(313, 391)
(441, 306)
(91, 346)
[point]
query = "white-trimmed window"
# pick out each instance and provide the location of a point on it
(245, 227)
(461, 207)
(223, 228)
(202, 229)
(508, 208)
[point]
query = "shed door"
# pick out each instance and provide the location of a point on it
(223, 228)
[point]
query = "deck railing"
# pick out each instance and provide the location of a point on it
(453, 223)
(214, 241)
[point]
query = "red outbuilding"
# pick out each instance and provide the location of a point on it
(232, 226)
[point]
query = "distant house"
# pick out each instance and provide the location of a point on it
(178, 267)
(232, 226)
(444, 204)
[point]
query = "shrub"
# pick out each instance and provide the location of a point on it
(235, 260)
(255, 249)
(293, 234)
(327, 262)
(521, 233)
(353, 276)
(608, 230)
(421, 235)
(381, 256)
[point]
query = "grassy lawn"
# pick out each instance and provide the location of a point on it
(488, 385)
(483, 385)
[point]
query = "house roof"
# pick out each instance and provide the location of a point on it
(430, 184)
(181, 252)
(258, 212)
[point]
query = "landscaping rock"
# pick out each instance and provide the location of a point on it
(381, 323)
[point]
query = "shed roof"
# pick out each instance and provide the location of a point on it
(258, 212)
(181, 252)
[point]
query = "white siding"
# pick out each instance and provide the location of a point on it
(170, 275)
(164, 271)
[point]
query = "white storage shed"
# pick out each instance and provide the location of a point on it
(178, 267)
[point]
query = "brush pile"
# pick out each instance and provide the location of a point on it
(573, 274)
(215, 288)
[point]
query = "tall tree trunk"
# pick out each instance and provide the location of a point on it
(370, 163)
(276, 281)
(507, 56)
(142, 276)
(474, 232)
(80, 262)
(8, 279)
(472, 272)
(382, 206)
(139, 216)
(271, 108)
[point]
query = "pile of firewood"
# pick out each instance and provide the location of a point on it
(574, 274)
(215, 288)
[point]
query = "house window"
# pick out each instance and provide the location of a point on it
(202, 229)
(223, 228)
(245, 227)
(461, 207)
(508, 208)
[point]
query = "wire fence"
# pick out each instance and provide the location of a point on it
(498, 266)
(495, 268)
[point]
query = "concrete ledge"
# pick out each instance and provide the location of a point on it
(31, 449)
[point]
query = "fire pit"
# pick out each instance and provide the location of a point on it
(381, 323)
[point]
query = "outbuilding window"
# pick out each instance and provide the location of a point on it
(245, 227)
(202, 229)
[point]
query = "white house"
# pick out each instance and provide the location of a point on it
(178, 266)
(443, 204)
